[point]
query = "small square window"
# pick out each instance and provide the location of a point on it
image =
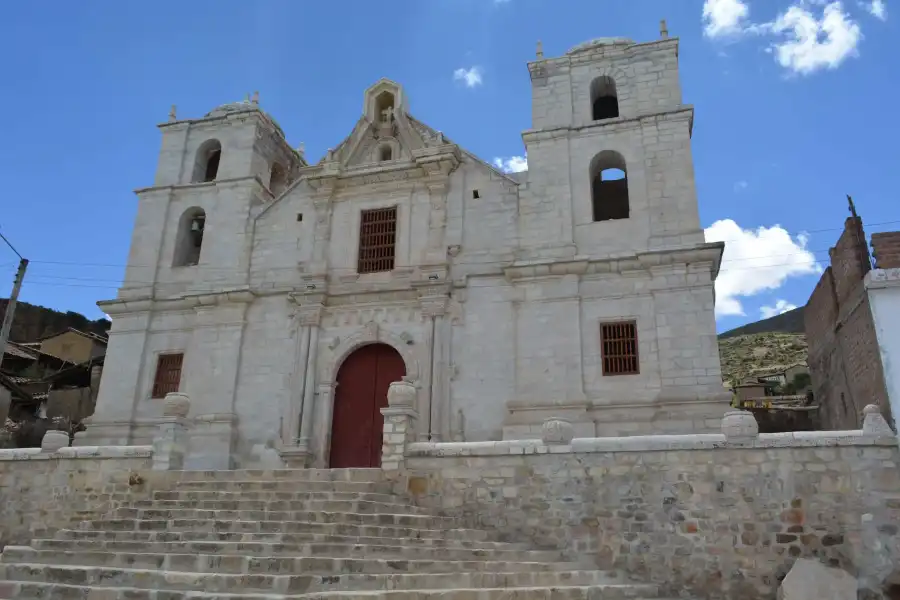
(299, 217)
(475, 194)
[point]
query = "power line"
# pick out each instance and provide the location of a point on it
(11, 247)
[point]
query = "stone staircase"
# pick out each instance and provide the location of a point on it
(304, 534)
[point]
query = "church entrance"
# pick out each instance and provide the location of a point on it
(362, 386)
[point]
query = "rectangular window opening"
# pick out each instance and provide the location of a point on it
(377, 240)
(168, 374)
(619, 348)
(475, 194)
(299, 217)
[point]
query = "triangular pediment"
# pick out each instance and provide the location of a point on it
(391, 141)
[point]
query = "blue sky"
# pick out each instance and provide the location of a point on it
(794, 102)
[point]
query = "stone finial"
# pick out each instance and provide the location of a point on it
(177, 404)
(663, 29)
(329, 156)
(740, 426)
(54, 441)
(874, 423)
(301, 149)
(540, 49)
(172, 116)
(402, 394)
(255, 98)
(557, 431)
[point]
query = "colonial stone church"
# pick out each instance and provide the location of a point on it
(284, 295)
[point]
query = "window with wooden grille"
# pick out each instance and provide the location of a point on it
(168, 374)
(377, 240)
(619, 348)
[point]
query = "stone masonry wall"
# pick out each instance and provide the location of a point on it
(41, 491)
(844, 360)
(694, 513)
(886, 249)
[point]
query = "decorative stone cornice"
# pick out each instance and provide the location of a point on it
(882, 278)
(185, 302)
(307, 307)
(643, 261)
(684, 112)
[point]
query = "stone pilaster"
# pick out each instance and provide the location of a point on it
(399, 425)
(433, 301)
(296, 449)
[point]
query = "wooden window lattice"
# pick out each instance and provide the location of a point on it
(168, 374)
(377, 240)
(619, 347)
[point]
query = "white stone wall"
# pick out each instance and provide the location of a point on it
(883, 288)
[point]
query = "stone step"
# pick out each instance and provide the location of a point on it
(268, 496)
(274, 565)
(385, 549)
(308, 516)
(380, 487)
(50, 591)
(276, 537)
(282, 526)
(290, 584)
(355, 475)
(350, 506)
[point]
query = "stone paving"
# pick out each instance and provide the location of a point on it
(302, 534)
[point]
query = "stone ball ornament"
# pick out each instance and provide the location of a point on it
(177, 404)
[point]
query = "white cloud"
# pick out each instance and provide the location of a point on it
(814, 43)
(722, 18)
(809, 36)
(471, 77)
(756, 261)
(878, 9)
(780, 307)
(740, 186)
(513, 164)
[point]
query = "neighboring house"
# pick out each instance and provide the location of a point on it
(73, 346)
(844, 359)
(284, 297)
(13, 399)
(72, 392)
(52, 384)
(781, 375)
(883, 291)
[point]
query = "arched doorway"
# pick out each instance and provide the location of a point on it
(362, 385)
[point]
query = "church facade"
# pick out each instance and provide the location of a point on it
(284, 296)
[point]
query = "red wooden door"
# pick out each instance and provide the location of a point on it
(362, 386)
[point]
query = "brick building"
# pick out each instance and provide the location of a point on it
(284, 296)
(844, 359)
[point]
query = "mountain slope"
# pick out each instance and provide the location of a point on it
(32, 322)
(789, 322)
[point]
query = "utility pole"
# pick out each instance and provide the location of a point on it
(13, 298)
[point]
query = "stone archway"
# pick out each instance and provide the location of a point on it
(362, 385)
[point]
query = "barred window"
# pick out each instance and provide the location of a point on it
(168, 374)
(377, 240)
(619, 348)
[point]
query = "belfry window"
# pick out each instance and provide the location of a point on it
(206, 165)
(609, 187)
(189, 240)
(604, 101)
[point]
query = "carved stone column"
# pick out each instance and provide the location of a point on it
(433, 301)
(321, 434)
(436, 251)
(290, 426)
(295, 450)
